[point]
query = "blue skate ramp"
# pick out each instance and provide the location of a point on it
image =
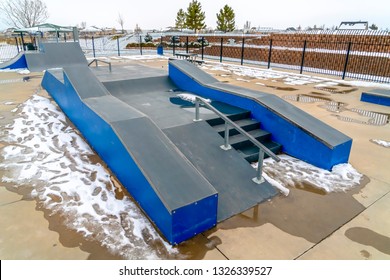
(18, 62)
(301, 135)
(377, 96)
(51, 55)
(174, 194)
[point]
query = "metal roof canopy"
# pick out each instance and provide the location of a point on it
(45, 27)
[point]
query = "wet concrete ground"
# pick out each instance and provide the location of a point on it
(308, 224)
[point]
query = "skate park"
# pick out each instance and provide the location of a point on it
(146, 103)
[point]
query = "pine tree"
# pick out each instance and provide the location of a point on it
(195, 16)
(180, 19)
(226, 19)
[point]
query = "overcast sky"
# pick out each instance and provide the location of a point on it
(152, 14)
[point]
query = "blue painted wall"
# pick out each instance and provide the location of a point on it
(176, 225)
(296, 142)
(376, 99)
(20, 63)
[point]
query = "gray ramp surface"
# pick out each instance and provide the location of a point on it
(229, 173)
(152, 96)
(379, 92)
(85, 82)
(55, 55)
(170, 173)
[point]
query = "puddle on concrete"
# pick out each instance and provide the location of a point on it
(375, 118)
(365, 254)
(304, 213)
(369, 237)
(282, 88)
(306, 98)
(342, 89)
(319, 93)
(334, 106)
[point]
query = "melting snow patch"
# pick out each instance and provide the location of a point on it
(292, 172)
(45, 152)
(381, 142)
(190, 97)
(24, 72)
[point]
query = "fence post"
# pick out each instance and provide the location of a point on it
(174, 43)
(17, 44)
(140, 43)
(187, 44)
(269, 53)
(202, 46)
(93, 46)
(65, 37)
(346, 59)
(303, 56)
(24, 47)
(117, 43)
(220, 54)
(242, 50)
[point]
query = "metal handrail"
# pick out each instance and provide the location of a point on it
(96, 63)
(262, 149)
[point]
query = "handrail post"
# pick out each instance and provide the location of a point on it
(226, 145)
(197, 119)
(259, 178)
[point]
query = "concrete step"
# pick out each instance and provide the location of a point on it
(251, 153)
(246, 124)
(240, 141)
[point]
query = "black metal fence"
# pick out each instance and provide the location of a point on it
(363, 55)
(362, 58)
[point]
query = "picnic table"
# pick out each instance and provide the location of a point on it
(191, 57)
(187, 56)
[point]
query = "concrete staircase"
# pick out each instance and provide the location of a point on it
(239, 142)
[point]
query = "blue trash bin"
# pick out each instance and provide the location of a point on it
(160, 50)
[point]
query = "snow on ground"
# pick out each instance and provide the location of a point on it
(288, 78)
(292, 172)
(45, 152)
(383, 143)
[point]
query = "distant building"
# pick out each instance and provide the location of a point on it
(353, 25)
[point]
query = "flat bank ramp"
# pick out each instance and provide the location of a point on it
(53, 55)
(173, 193)
(50, 55)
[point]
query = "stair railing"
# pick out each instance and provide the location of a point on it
(226, 146)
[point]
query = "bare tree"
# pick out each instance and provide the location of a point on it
(121, 22)
(24, 13)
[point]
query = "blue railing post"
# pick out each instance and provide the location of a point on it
(346, 59)
(187, 44)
